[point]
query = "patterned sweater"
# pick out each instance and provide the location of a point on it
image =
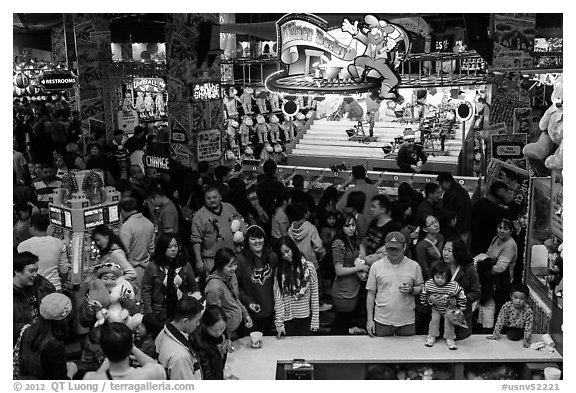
(452, 289)
(510, 316)
(300, 304)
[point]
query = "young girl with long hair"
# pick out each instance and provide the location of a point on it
(296, 302)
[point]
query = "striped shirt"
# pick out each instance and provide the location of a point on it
(450, 290)
(302, 303)
(44, 190)
(510, 316)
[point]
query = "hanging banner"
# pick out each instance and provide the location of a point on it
(556, 204)
(158, 156)
(513, 40)
(209, 145)
(509, 147)
(517, 180)
(127, 120)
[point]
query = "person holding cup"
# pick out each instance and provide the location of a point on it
(393, 281)
(222, 290)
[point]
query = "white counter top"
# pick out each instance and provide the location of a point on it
(252, 364)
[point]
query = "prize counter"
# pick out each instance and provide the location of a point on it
(318, 179)
(349, 357)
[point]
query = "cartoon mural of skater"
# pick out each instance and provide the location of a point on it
(381, 40)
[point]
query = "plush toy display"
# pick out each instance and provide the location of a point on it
(230, 102)
(160, 105)
(279, 156)
(140, 102)
(262, 129)
(149, 104)
(248, 154)
(288, 127)
(231, 132)
(274, 128)
(246, 98)
(127, 104)
(275, 102)
(244, 130)
(267, 152)
(552, 128)
(299, 122)
(261, 97)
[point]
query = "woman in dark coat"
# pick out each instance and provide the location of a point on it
(211, 343)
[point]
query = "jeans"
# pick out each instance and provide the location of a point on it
(389, 330)
(434, 327)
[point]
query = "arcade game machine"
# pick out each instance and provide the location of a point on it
(75, 210)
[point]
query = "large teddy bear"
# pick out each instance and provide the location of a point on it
(552, 128)
(231, 133)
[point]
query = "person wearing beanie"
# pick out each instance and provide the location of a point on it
(411, 157)
(393, 282)
(42, 352)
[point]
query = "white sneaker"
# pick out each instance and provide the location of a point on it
(430, 340)
(357, 330)
(451, 344)
(325, 307)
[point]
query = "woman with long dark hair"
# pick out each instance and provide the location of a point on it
(42, 352)
(222, 290)
(296, 304)
(457, 255)
(211, 343)
(256, 267)
(112, 250)
(346, 287)
(167, 279)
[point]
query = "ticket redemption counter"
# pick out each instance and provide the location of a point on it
(318, 179)
(351, 357)
(544, 264)
(75, 210)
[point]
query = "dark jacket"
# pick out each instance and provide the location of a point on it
(22, 309)
(154, 290)
(409, 155)
(268, 189)
(50, 363)
(457, 199)
(211, 353)
(256, 280)
(467, 278)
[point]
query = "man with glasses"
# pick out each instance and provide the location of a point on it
(392, 284)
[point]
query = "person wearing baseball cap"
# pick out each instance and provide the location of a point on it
(42, 350)
(393, 282)
(411, 157)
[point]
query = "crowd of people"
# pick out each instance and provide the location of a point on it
(202, 259)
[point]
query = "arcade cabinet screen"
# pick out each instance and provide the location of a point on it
(93, 218)
(55, 216)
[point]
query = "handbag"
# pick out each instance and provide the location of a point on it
(16, 354)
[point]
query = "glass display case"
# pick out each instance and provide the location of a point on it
(544, 266)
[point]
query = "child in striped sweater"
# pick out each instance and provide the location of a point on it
(439, 291)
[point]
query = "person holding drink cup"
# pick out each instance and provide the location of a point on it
(393, 282)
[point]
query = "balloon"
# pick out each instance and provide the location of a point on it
(19, 92)
(152, 48)
(21, 80)
(33, 89)
(144, 55)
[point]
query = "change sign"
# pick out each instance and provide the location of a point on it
(58, 80)
(158, 156)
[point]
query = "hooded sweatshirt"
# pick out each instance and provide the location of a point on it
(307, 239)
(256, 280)
(225, 294)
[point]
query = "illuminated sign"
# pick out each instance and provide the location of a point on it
(151, 85)
(58, 80)
(206, 91)
(158, 156)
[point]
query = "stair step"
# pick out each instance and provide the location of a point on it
(373, 155)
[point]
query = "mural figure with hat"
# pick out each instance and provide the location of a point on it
(411, 157)
(381, 39)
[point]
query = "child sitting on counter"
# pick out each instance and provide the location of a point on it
(515, 316)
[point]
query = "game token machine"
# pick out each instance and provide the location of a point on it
(76, 209)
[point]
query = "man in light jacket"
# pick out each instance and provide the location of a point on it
(175, 352)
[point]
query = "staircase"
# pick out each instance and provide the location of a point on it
(326, 143)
